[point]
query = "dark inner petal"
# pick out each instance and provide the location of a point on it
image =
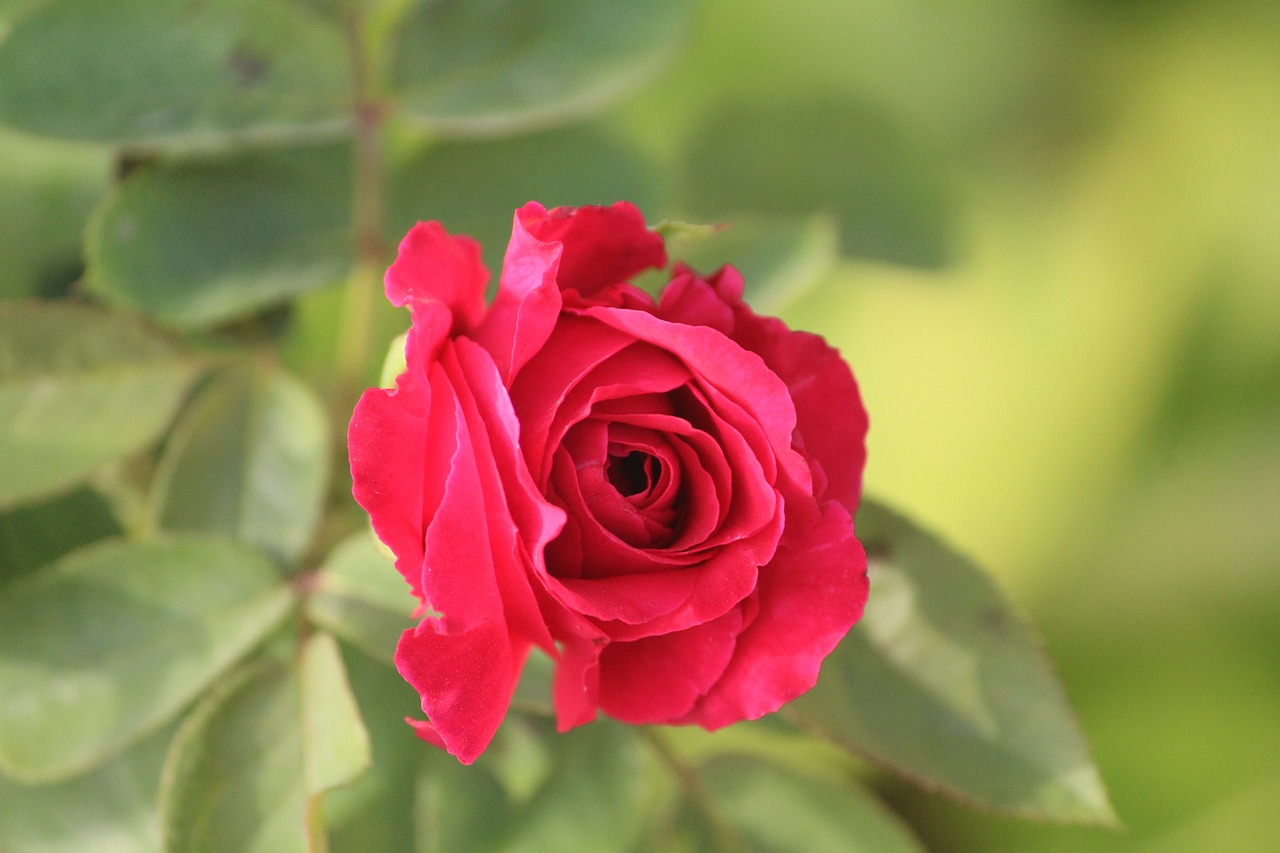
(632, 474)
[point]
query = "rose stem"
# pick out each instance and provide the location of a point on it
(368, 199)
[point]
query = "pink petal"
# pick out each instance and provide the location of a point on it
(432, 266)
(632, 598)
(527, 304)
(466, 681)
(387, 457)
(576, 686)
(588, 445)
(733, 442)
(631, 606)
(689, 300)
(396, 438)
(809, 596)
(830, 417)
(426, 731)
(582, 363)
(658, 679)
(603, 246)
(718, 363)
(508, 519)
(724, 579)
(589, 547)
(459, 572)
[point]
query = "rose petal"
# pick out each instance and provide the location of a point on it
(577, 347)
(459, 573)
(519, 520)
(638, 370)
(426, 731)
(830, 417)
(809, 596)
(387, 461)
(725, 578)
(602, 245)
(632, 598)
(597, 550)
(433, 266)
(628, 607)
(658, 679)
(727, 496)
(587, 444)
(690, 478)
(576, 685)
(525, 309)
(390, 461)
(663, 470)
(732, 442)
(690, 301)
(466, 681)
(719, 364)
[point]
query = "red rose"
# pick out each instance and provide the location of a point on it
(658, 494)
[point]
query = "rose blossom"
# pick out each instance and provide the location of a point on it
(658, 494)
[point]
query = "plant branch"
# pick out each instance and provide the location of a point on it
(726, 838)
(368, 202)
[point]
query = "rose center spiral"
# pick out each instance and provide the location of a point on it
(633, 473)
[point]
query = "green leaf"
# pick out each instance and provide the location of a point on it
(109, 810)
(767, 739)
(460, 810)
(779, 258)
(593, 796)
(536, 790)
(78, 388)
(247, 770)
(376, 811)
(11, 9)
(233, 779)
(498, 66)
(36, 534)
(47, 192)
(309, 342)
(197, 242)
(336, 744)
(113, 640)
(884, 189)
(944, 682)
(360, 596)
(771, 809)
(474, 188)
(249, 459)
(152, 72)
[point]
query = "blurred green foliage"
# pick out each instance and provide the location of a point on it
(1044, 235)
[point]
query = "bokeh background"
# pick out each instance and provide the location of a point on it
(1047, 237)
